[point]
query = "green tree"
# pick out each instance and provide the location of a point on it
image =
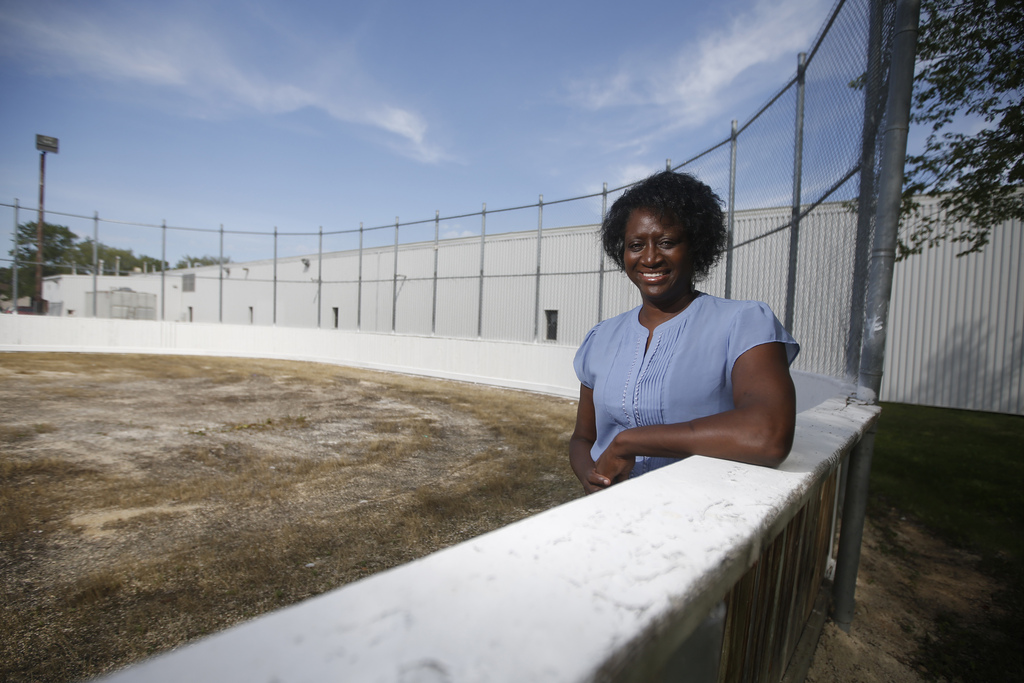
(187, 261)
(61, 253)
(81, 255)
(57, 241)
(970, 69)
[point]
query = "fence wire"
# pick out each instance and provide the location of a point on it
(794, 185)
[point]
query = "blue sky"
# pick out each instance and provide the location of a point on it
(306, 114)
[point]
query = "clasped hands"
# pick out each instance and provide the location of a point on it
(611, 468)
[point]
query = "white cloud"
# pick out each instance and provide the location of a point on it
(699, 82)
(631, 173)
(453, 234)
(188, 58)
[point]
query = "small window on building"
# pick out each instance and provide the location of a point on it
(552, 324)
(188, 282)
(190, 314)
(335, 309)
(250, 315)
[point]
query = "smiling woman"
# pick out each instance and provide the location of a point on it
(685, 373)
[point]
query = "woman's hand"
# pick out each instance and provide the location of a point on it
(614, 465)
(582, 441)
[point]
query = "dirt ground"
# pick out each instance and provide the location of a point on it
(907, 579)
(147, 502)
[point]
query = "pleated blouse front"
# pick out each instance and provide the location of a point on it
(685, 373)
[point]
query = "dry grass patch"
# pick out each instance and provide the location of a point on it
(146, 501)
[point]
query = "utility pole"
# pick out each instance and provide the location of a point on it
(44, 144)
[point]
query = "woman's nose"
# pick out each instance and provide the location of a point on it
(649, 255)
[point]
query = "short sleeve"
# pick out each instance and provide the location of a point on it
(754, 325)
(581, 363)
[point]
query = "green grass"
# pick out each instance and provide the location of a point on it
(961, 474)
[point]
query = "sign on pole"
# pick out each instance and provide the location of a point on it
(44, 143)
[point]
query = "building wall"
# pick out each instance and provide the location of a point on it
(956, 331)
(956, 336)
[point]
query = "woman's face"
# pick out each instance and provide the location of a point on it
(657, 260)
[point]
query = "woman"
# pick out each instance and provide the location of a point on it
(685, 372)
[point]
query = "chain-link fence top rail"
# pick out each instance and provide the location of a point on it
(813, 145)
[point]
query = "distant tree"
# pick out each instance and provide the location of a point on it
(57, 241)
(970, 66)
(61, 254)
(187, 261)
(81, 256)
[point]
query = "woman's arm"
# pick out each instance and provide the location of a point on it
(759, 430)
(582, 440)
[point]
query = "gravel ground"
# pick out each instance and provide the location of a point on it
(144, 497)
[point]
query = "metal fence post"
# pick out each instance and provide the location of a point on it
(163, 270)
(798, 159)
(359, 286)
(876, 314)
(95, 261)
(394, 283)
(890, 191)
(854, 512)
(600, 252)
(480, 295)
(536, 289)
(220, 277)
(732, 212)
(873, 102)
(433, 304)
(275, 277)
(14, 261)
(319, 276)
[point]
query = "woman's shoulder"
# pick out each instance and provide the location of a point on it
(729, 309)
(747, 323)
(598, 347)
(609, 332)
(626, 319)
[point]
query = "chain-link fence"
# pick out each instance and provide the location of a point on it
(795, 176)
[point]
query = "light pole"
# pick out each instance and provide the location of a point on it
(44, 144)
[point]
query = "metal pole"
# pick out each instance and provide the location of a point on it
(600, 251)
(37, 305)
(536, 288)
(274, 321)
(798, 158)
(163, 269)
(95, 262)
(14, 262)
(732, 212)
(433, 306)
(480, 294)
(220, 277)
(394, 283)
(359, 286)
(319, 276)
(852, 530)
(873, 102)
(894, 149)
(883, 256)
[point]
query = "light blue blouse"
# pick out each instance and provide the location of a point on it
(686, 372)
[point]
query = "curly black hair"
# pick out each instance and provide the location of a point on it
(680, 199)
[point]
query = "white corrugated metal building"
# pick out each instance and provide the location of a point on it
(956, 325)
